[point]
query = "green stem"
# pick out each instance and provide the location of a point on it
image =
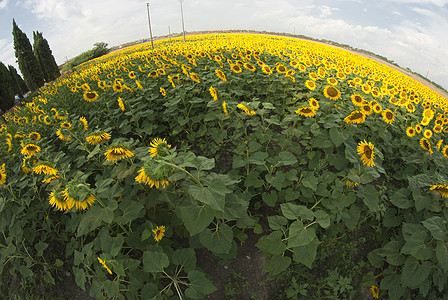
(185, 171)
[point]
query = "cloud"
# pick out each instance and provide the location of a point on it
(3, 4)
(424, 12)
(53, 9)
(438, 3)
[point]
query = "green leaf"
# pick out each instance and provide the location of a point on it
(442, 254)
(131, 211)
(196, 218)
(277, 222)
(306, 254)
(415, 245)
(286, 159)
(419, 181)
(437, 227)
(80, 278)
(322, 218)
(89, 221)
(370, 197)
(257, 158)
(270, 198)
(146, 234)
(219, 241)
(272, 243)
(204, 163)
(111, 287)
(185, 257)
(206, 196)
(336, 137)
(310, 182)
(299, 235)
(155, 261)
(401, 198)
(414, 272)
(277, 180)
(294, 211)
(107, 215)
(200, 285)
(40, 247)
(277, 264)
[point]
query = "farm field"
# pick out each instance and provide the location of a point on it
(148, 173)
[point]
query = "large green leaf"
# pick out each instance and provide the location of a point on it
(415, 272)
(294, 211)
(437, 226)
(131, 211)
(219, 241)
(306, 254)
(401, 198)
(370, 197)
(299, 235)
(200, 285)
(196, 218)
(207, 196)
(277, 264)
(185, 257)
(155, 261)
(90, 220)
(272, 243)
(442, 254)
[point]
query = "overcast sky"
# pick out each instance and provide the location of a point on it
(412, 33)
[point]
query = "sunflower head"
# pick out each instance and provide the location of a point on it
(306, 111)
(332, 92)
(410, 131)
(367, 153)
(159, 147)
(441, 188)
(90, 96)
(117, 152)
(355, 117)
(388, 116)
(426, 145)
(154, 173)
(159, 233)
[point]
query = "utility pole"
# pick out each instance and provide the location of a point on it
(169, 32)
(182, 14)
(149, 23)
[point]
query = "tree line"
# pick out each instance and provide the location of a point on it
(36, 63)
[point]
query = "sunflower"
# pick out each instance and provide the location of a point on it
(117, 152)
(221, 75)
(195, 77)
(355, 117)
(77, 193)
(159, 233)
(357, 99)
(441, 188)
(159, 147)
(61, 136)
(377, 108)
(332, 92)
(366, 108)
(236, 68)
(58, 200)
(427, 133)
(375, 291)
(154, 174)
(294, 63)
(66, 125)
(161, 71)
(35, 136)
(310, 85)
(213, 93)
(30, 150)
(246, 110)
(153, 74)
(117, 87)
(121, 104)
(132, 75)
(84, 204)
(445, 151)
(103, 263)
(281, 69)
(162, 91)
(350, 183)
(84, 122)
(266, 69)
(313, 103)
(410, 131)
(50, 179)
(45, 168)
(2, 175)
(249, 67)
(98, 137)
(90, 96)
(410, 107)
(85, 87)
(139, 85)
(306, 111)
(418, 128)
(313, 76)
(439, 144)
(332, 81)
(388, 116)
(224, 107)
(367, 153)
(425, 144)
(438, 128)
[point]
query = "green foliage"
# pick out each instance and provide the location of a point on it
(28, 64)
(98, 50)
(45, 58)
(6, 89)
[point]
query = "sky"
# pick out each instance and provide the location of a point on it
(410, 32)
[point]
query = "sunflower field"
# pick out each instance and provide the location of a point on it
(124, 171)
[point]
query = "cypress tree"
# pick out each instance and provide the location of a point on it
(45, 58)
(15, 81)
(28, 65)
(6, 93)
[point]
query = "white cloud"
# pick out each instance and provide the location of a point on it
(53, 9)
(3, 4)
(438, 3)
(425, 12)
(326, 11)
